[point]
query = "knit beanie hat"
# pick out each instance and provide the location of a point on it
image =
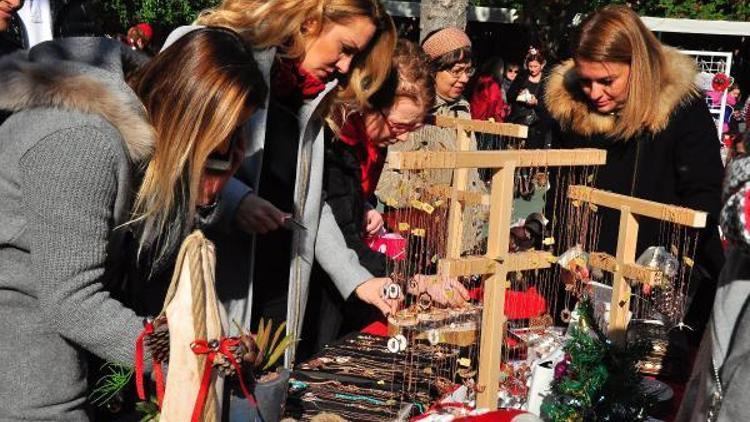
(444, 41)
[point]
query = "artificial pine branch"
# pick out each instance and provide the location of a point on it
(601, 381)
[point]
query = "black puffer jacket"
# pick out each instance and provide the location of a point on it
(342, 182)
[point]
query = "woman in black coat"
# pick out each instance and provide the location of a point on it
(625, 92)
(525, 99)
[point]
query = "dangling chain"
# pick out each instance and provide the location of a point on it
(717, 396)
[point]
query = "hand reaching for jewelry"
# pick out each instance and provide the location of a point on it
(371, 291)
(446, 291)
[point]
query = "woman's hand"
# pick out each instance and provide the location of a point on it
(256, 215)
(532, 101)
(447, 291)
(371, 291)
(373, 222)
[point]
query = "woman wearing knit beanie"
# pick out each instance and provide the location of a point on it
(449, 50)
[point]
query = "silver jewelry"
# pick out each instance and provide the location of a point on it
(393, 345)
(394, 291)
(401, 342)
(433, 336)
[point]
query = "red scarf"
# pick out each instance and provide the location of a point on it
(371, 157)
(291, 83)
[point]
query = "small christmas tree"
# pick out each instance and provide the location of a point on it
(597, 380)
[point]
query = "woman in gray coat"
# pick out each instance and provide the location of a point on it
(70, 152)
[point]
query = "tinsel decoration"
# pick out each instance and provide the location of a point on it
(598, 380)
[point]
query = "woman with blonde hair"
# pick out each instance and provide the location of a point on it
(305, 49)
(79, 134)
(625, 92)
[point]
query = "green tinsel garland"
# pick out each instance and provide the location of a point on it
(601, 382)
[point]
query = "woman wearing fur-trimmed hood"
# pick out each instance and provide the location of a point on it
(625, 92)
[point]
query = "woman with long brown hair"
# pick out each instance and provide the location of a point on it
(627, 93)
(276, 201)
(79, 134)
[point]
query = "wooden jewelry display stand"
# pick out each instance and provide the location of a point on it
(623, 266)
(497, 262)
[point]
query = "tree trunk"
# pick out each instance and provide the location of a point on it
(437, 14)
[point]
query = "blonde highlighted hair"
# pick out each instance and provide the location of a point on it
(195, 93)
(616, 34)
(280, 24)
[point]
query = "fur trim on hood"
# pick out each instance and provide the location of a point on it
(80, 87)
(570, 108)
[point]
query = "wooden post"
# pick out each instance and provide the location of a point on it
(456, 213)
(627, 240)
(493, 312)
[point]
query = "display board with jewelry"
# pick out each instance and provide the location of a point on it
(363, 377)
(469, 276)
(496, 296)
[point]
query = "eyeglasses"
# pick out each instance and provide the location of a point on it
(456, 73)
(511, 71)
(397, 129)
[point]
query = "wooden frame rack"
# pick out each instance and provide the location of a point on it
(497, 262)
(623, 266)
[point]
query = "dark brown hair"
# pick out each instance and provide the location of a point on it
(534, 55)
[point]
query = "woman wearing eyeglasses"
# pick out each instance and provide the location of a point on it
(509, 75)
(356, 152)
(449, 50)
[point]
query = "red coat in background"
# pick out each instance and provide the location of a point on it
(487, 100)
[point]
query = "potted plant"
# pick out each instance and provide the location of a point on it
(258, 355)
(267, 380)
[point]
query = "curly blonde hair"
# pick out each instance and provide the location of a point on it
(411, 77)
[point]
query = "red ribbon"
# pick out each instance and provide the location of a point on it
(148, 329)
(223, 347)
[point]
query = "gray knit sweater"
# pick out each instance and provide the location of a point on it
(65, 161)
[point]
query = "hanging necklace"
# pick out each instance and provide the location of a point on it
(717, 396)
